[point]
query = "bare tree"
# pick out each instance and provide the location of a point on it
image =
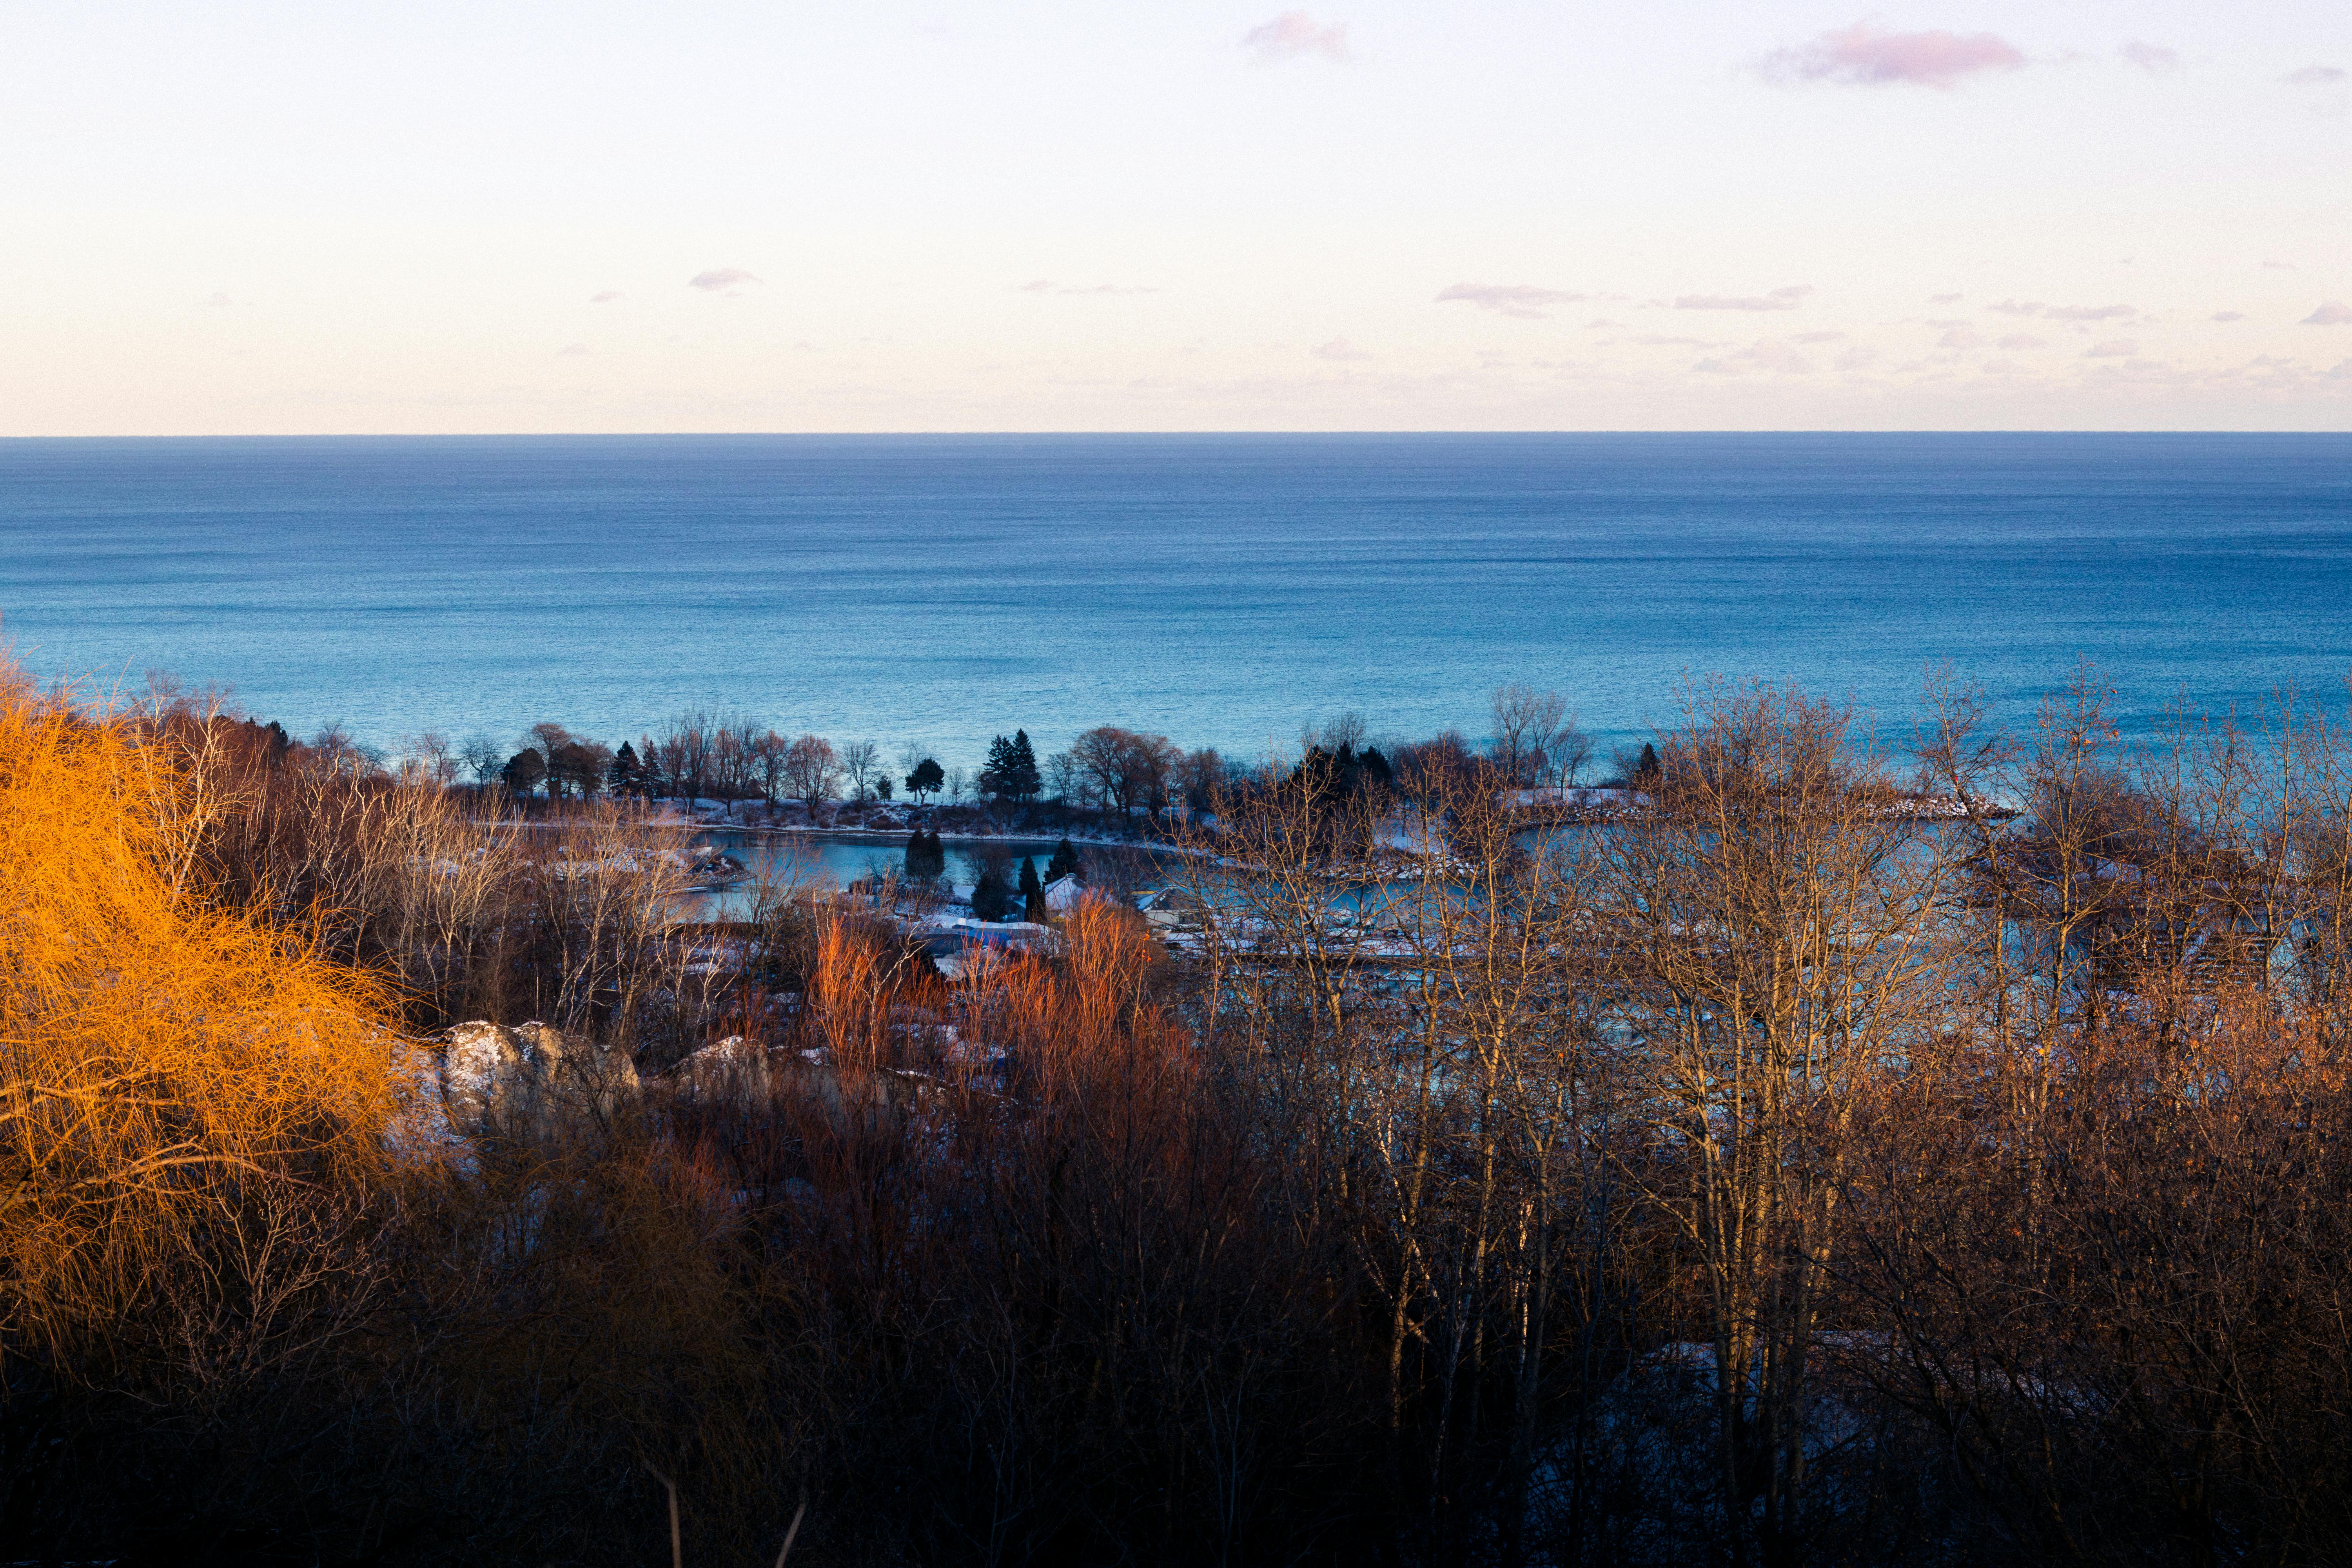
(1528, 726)
(1065, 779)
(483, 755)
(429, 758)
(1780, 937)
(768, 753)
(861, 765)
(1343, 730)
(1128, 769)
(813, 770)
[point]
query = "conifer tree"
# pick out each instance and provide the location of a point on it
(1022, 776)
(626, 774)
(1033, 891)
(1064, 863)
(1648, 767)
(927, 858)
(991, 896)
(523, 770)
(996, 774)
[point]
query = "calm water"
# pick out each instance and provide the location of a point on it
(1223, 590)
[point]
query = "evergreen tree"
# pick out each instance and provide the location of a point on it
(1376, 769)
(996, 775)
(1064, 863)
(1023, 774)
(627, 775)
(926, 779)
(1648, 767)
(991, 896)
(523, 771)
(927, 858)
(1033, 891)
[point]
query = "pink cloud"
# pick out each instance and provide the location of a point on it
(2313, 75)
(2065, 313)
(2153, 58)
(2227, 316)
(1943, 298)
(1819, 337)
(1958, 338)
(1521, 299)
(1340, 349)
(606, 298)
(1763, 354)
(720, 278)
(1787, 298)
(2112, 348)
(2021, 340)
(1047, 286)
(2333, 313)
(1294, 35)
(1864, 56)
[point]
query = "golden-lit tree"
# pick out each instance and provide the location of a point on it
(162, 1062)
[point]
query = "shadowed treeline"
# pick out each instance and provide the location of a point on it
(1767, 1174)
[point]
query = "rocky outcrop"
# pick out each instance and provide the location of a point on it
(748, 1076)
(528, 1076)
(735, 1070)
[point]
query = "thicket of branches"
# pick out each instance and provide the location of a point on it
(1772, 1174)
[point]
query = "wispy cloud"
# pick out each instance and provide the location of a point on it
(606, 298)
(217, 302)
(2022, 340)
(2112, 348)
(2313, 75)
(2278, 265)
(2153, 58)
(1866, 56)
(1787, 298)
(1958, 338)
(1521, 299)
(2227, 316)
(1943, 298)
(1047, 286)
(572, 351)
(1294, 35)
(1661, 340)
(1763, 354)
(1819, 337)
(2065, 313)
(720, 280)
(1341, 349)
(2333, 313)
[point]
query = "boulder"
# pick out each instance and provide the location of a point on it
(735, 1069)
(529, 1075)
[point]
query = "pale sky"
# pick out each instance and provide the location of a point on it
(332, 216)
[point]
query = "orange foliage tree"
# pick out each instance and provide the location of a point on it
(161, 1061)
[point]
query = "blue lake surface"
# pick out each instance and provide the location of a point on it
(1219, 589)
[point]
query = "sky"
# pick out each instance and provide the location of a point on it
(352, 218)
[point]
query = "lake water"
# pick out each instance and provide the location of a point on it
(802, 859)
(1221, 590)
